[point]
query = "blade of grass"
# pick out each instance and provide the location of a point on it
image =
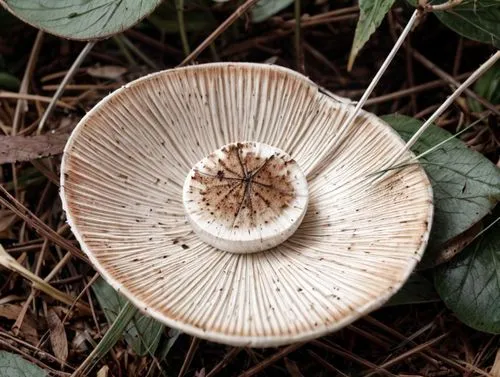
(179, 5)
(69, 75)
(412, 161)
(353, 114)
(108, 341)
(477, 73)
(38, 283)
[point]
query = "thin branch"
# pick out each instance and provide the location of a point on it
(299, 54)
(179, 5)
(222, 27)
(69, 75)
(353, 114)
(445, 76)
(483, 68)
(24, 83)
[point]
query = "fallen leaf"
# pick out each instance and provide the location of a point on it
(58, 339)
(495, 369)
(28, 328)
(27, 148)
(103, 372)
(112, 72)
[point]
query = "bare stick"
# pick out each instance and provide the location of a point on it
(352, 115)
(222, 27)
(483, 68)
(69, 75)
(445, 76)
(27, 75)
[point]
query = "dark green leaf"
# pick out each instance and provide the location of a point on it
(475, 19)
(12, 365)
(142, 333)
(82, 19)
(470, 284)
(417, 290)
(268, 8)
(195, 19)
(9, 82)
(371, 14)
(488, 86)
(466, 185)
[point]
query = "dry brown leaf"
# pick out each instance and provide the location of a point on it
(112, 72)
(28, 330)
(200, 373)
(58, 339)
(7, 218)
(457, 244)
(495, 369)
(26, 148)
(103, 372)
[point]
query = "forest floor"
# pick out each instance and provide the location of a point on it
(405, 340)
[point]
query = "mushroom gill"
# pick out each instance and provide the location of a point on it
(130, 167)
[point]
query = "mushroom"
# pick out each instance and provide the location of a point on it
(212, 198)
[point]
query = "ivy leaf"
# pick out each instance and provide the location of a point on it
(371, 14)
(81, 20)
(12, 365)
(142, 333)
(268, 8)
(466, 185)
(417, 290)
(470, 284)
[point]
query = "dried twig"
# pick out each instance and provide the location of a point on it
(222, 27)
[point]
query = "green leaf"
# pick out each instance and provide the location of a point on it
(265, 9)
(81, 19)
(488, 86)
(142, 334)
(475, 19)
(9, 82)
(12, 365)
(110, 338)
(470, 284)
(466, 185)
(195, 20)
(371, 14)
(417, 290)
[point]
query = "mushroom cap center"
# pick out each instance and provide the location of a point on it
(245, 197)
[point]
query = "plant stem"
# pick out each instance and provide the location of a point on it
(353, 114)
(182, 28)
(125, 51)
(483, 68)
(133, 48)
(222, 27)
(69, 75)
(298, 45)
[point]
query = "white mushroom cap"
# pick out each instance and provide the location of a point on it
(123, 174)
